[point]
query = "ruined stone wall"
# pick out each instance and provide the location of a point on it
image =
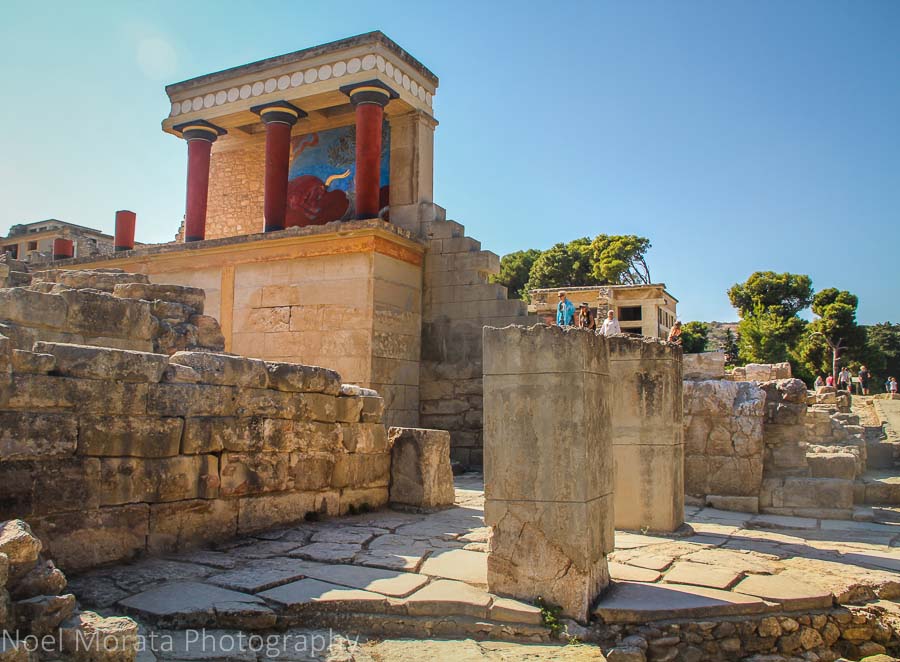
(459, 301)
(107, 309)
(110, 453)
(723, 433)
(236, 191)
(646, 410)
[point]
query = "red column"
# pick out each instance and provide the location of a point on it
(369, 99)
(125, 222)
(63, 249)
(200, 136)
(279, 117)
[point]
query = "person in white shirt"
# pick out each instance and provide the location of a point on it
(844, 379)
(610, 325)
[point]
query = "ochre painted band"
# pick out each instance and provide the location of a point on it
(279, 109)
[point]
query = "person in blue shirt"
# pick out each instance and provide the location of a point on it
(565, 311)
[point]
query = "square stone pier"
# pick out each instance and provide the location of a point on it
(548, 464)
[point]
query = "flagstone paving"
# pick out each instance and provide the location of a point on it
(422, 568)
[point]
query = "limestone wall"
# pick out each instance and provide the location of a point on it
(645, 395)
(112, 453)
(459, 301)
(704, 365)
(236, 190)
(548, 464)
(723, 434)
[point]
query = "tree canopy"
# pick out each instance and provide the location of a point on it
(694, 337)
(514, 271)
(621, 259)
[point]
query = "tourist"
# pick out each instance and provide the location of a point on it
(586, 317)
(565, 311)
(894, 385)
(675, 334)
(610, 326)
(864, 379)
(844, 379)
(820, 382)
(887, 385)
(829, 380)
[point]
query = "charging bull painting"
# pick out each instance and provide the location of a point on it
(321, 175)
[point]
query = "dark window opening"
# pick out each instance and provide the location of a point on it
(13, 250)
(32, 245)
(630, 314)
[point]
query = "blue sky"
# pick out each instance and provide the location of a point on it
(737, 136)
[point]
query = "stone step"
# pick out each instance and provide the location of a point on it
(882, 455)
(832, 465)
(880, 488)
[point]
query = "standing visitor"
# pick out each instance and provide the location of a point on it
(565, 311)
(844, 379)
(610, 326)
(864, 379)
(675, 334)
(820, 382)
(829, 380)
(894, 385)
(586, 318)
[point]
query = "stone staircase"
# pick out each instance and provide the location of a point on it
(880, 484)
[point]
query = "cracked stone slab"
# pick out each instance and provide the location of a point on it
(327, 552)
(138, 576)
(622, 572)
(96, 590)
(737, 561)
(386, 582)
(446, 597)
(184, 604)
(263, 575)
(790, 593)
(514, 611)
(266, 549)
(389, 560)
(632, 602)
(245, 616)
(316, 595)
(218, 560)
(459, 564)
(352, 535)
(698, 574)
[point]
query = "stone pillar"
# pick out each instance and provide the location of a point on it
(369, 99)
(279, 117)
(548, 464)
(412, 159)
(125, 222)
(200, 135)
(648, 433)
(63, 249)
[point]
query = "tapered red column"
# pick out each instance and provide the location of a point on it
(125, 222)
(279, 117)
(369, 99)
(200, 136)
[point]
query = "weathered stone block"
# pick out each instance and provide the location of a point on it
(20, 546)
(421, 476)
(551, 513)
(101, 314)
(224, 369)
(88, 362)
(354, 470)
(365, 437)
(30, 308)
(373, 409)
(183, 524)
(175, 313)
(271, 510)
(190, 400)
(704, 365)
(297, 378)
(44, 579)
(92, 537)
(65, 485)
(649, 489)
(105, 281)
(209, 332)
(42, 615)
(88, 637)
(348, 409)
(816, 492)
(267, 402)
(36, 436)
(255, 473)
(32, 363)
(832, 465)
(193, 297)
(136, 480)
(118, 436)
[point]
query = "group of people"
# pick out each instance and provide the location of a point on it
(583, 318)
(864, 379)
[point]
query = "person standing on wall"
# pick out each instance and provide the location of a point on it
(585, 319)
(610, 326)
(864, 379)
(675, 334)
(565, 311)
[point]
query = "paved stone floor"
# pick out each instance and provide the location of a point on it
(427, 574)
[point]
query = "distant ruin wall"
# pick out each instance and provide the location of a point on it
(111, 453)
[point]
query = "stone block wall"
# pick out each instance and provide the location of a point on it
(645, 395)
(236, 191)
(548, 464)
(723, 433)
(704, 365)
(113, 453)
(107, 308)
(459, 301)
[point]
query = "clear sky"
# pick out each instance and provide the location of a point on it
(737, 136)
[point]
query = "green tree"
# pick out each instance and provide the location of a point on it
(514, 271)
(694, 337)
(563, 265)
(768, 303)
(730, 347)
(620, 259)
(882, 350)
(832, 335)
